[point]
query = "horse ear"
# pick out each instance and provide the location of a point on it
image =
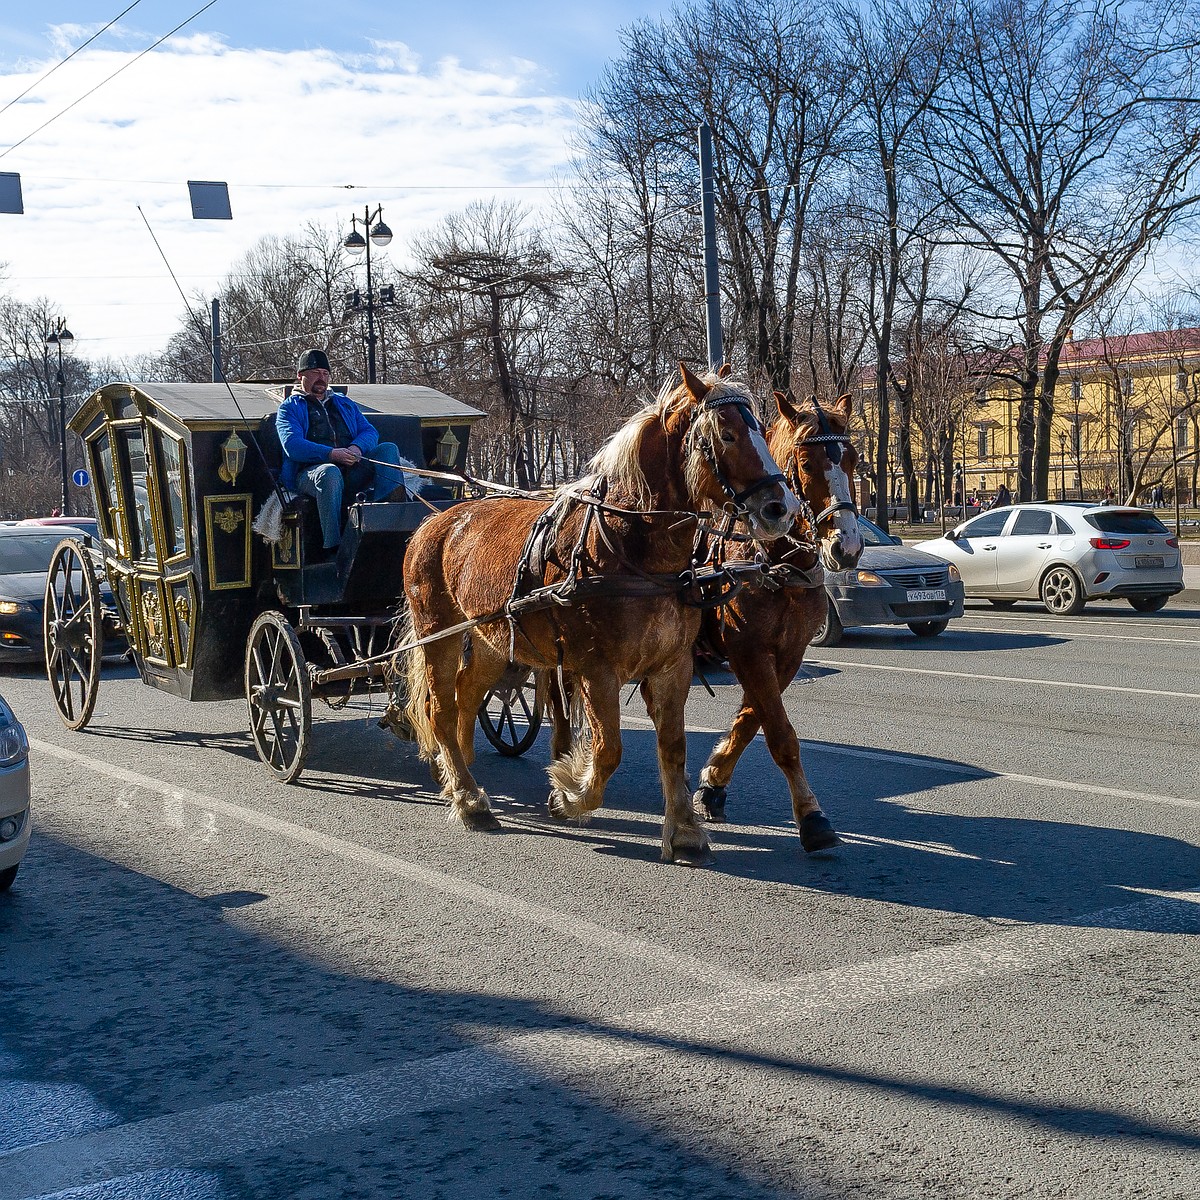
(695, 385)
(787, 409)
(725, 370)
(843, 406)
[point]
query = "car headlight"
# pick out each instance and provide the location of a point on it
(14, 745)
(10, 608)
(954, 573)
(868, 579)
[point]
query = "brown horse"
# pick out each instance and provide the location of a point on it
(629, 527)
(764, 631)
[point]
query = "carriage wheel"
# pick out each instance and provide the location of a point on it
(511, 713)
(278, 695)
(73, 629)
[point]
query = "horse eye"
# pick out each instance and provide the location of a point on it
(728, 438)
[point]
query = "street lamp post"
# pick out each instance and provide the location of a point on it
(356, 244)
(1062, 466)
(59, 334)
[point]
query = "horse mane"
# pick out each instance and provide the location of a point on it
(619, 459)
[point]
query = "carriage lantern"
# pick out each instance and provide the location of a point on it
(233, 458)
(447, 448)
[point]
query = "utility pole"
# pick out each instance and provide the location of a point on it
(712, 280)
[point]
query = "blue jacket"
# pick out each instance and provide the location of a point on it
(291, 423)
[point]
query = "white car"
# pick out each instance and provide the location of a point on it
(1065, 555)
(14, 795)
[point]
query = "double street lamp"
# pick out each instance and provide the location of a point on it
(56, 337)
(357, 244)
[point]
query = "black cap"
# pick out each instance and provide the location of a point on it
(312, 360)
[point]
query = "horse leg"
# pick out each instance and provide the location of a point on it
(561, 733)
(709, 798)
(479, 673)
(665, 693)
(579, 777)
(468, 802)
(763, 687)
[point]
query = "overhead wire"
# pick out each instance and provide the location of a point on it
(107, 79)
(82, 46)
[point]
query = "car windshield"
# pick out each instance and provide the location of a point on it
(1125, 520)
(872, 535)
(26, 553)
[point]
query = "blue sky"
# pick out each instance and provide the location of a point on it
(419, 107)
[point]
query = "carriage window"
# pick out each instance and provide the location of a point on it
(172, 469)
(141, 519)
(106, 486)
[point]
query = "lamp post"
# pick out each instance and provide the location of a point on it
(357, 244)
(59, 334)
(1062, 466)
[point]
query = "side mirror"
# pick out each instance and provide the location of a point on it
(897, 541)
(952, 535)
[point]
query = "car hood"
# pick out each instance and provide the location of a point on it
(896, 558)
(29, 586)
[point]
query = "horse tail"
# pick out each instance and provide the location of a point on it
(417, 679)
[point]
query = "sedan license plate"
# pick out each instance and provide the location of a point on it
(919, 595)
(1148, 560)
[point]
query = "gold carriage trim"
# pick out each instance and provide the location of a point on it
(228, 519)
(152, 621)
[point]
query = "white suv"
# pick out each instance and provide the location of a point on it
(1065, 554)
(14, 795)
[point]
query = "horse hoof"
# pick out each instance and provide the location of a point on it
(556, 806)
(709, 803)
(817, 833)
(482, 821)
(691, 856)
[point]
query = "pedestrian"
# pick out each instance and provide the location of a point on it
(1002, 498)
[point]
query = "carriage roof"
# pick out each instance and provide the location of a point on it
(195, 405)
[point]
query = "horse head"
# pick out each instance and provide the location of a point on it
(728, 464)
(812, 442)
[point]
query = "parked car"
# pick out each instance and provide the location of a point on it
(893, 584)
(1066, 554)
(89, 525)
(15, 821)
(25, 553)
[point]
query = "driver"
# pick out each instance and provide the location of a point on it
(329, 446)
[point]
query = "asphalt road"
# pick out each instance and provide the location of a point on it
(214, 986)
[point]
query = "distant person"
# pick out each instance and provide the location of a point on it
(327, 441)
(1002, 498)
(1110, 497)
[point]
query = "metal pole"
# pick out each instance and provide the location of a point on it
(62, 432)
(370, 301)
(217, 375)
(712, 280)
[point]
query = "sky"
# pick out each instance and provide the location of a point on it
(308, 111)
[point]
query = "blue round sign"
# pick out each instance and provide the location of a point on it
(81, 478)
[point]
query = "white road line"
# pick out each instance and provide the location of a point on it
(961, 627)
(226, 1131)
(1054, 683)
(893, 757)
(567, 925)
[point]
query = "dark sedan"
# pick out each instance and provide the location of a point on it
(25, 553)
(893, 584)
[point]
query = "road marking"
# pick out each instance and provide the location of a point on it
(960, 626)
(893, 757)
(225, 1131)
(575, 927)
(1056, 683)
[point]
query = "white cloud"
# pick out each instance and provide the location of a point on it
(290, 131)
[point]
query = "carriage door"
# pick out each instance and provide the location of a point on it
(163, 589)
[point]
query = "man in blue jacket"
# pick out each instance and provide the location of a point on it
(326, 444)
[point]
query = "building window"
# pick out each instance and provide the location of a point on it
(1181, 433)
(981, 444)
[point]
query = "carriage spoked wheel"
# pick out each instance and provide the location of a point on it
(278, 695)
(73, 629)
(511, 713)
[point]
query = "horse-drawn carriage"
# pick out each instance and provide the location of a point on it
(211, 610)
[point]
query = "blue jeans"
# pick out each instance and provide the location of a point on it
(327, 483)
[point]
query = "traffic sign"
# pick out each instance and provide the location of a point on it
(81, 478)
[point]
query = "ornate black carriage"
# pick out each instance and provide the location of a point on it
(211, 610)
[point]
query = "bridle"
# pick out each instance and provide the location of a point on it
(736, 499)
(833, 443)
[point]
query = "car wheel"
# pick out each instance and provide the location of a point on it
(1062, 592)
(1148, 603)
(7, 876)
(928, 629)
(829, 633)
(1002, 603)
